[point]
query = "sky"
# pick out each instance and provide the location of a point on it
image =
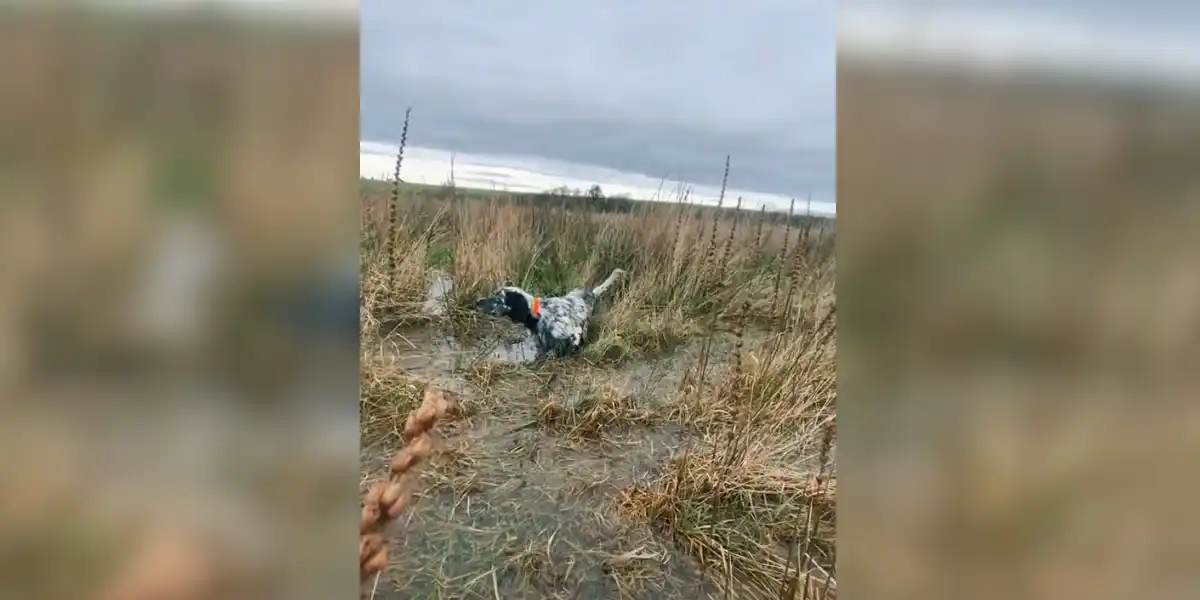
(635, 91)
(652, 89)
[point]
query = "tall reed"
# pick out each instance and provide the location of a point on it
(782, 260)
(758, 233)
(737, 217)
(393, 233)
(712, 242)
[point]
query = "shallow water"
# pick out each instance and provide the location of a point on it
(430, 352)
(436, 293)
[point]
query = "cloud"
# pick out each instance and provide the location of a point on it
(652, 88)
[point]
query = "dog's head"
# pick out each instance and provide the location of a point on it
(508, 301)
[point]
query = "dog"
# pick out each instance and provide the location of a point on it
(559, 325)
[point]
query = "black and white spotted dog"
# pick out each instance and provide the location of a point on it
(559, 325)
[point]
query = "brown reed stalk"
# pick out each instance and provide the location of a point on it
(736, 443)
(706, 349)
(387, 500)
(800, 255)
(762, 219)
(820, 239)
(741, 341)
(825, 329)
(802, 247)
(798, 266)
(787, 234)
(827, 325)
(787, 585)
(394, 209)
(816, 502)
(712, 242)
(453, 183)
(681, 208)
(732, 231)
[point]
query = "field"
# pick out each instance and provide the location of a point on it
(687, 453)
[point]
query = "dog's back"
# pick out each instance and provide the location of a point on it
(563, 324)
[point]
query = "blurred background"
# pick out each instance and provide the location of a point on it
(1018, 215)
(178, 309)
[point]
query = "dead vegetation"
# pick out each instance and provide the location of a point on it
(591, 412)
(688, 264)
(386, 397)
(752, 498)
(688, 453)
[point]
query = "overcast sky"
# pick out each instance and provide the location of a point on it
(662, 88)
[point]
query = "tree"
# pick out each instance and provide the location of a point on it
(595, 193)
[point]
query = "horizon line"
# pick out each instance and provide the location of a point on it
(513, 173)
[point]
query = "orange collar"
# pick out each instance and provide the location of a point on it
(537, 306)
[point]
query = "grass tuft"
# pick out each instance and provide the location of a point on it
(592, 412)
(739, 498)
(386, 397)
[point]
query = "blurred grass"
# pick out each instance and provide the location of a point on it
(1020, 312)
(156, 195)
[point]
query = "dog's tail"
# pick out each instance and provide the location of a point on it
(603, 287)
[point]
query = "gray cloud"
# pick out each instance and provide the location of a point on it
(655, 88)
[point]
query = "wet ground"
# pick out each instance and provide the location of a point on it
(517, 508)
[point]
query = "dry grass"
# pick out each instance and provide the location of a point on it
(686, 263)
(393, 290)
(750, 499)
(592, 412)
(723, 484)
(387, 395)
(486, 373)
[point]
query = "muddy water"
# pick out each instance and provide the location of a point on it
(514, 510)
(429, 352)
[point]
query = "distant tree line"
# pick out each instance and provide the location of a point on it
(594, 199)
